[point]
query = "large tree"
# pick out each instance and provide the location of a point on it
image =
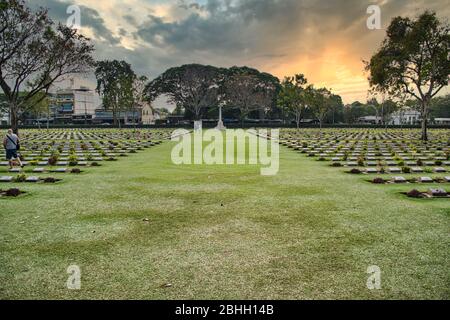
(413, 61)
(248, 90)
(322, 102)
(139, 85)
(115, 84)
(292, 97)
(193, 87)
(34, 53)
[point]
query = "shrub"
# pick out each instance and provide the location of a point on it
(13, 192)
(20, 178)
(414, 194)
(75, 170)
(419, 162)
(378, 180)
(355, 171)
(49, 180)
(406, 169)
(401, 163)
(438, 162)
(95, 164)
(321, 159)
(336, 164)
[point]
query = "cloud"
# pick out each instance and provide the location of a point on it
(90, 18)
(326, 40)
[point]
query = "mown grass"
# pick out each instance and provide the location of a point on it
(221, 232)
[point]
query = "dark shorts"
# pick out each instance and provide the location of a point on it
(11, 154)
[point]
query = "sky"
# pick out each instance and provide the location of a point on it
(327, 40)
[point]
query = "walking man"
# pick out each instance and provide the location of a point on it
(11, 144)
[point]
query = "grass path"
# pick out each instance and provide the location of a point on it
(221, 232)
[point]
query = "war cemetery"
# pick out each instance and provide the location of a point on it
(251, 186)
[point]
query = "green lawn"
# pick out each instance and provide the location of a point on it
(221, 232)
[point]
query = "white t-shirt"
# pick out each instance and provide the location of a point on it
(11, 145)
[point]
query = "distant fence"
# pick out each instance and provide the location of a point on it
(228, 125)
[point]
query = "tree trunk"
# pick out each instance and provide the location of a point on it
(425, 120)
(13, 117)
(114, 117)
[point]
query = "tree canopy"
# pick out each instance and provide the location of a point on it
(413, 61)
(35, 52)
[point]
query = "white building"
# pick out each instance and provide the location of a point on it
(147, 116)
(73, 104)
(370, 120)
(405, 116)
(4, 119)
(445, 121)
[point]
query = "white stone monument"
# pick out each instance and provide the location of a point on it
(220, 125)
(198, 125)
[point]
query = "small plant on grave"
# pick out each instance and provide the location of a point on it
(321, 159)
(75, 170)
(361, 161)
(428, 170)
(414, 194)
(53, 159)
(111, 159)
(401, 163)
(73, 160)
(33, 162)
(49, 180)
(84, 146)
(378, 180)
(345, 157)
(20, 178)
(419, 162)
(438, 162)
(355, 171)
(382, 169)
(89, 157)
(311, 154)
(336, 164)
(95, 164)
(406, 169)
